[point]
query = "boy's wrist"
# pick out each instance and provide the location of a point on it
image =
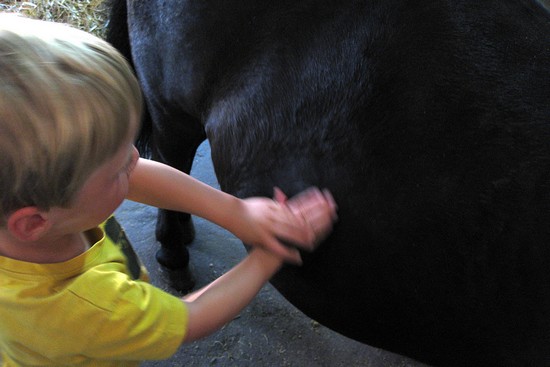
(269, 262)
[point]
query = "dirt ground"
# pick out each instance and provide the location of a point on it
(270, 331)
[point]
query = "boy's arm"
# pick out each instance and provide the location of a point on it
(256, 221)
(162, 186)
(219, 302)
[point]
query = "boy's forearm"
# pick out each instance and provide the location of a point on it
(159, 185)
(219, 302)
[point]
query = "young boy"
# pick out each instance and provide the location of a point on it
(69, 111)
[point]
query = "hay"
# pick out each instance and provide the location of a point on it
(88, 15)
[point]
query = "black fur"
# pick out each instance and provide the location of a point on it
(430, 123)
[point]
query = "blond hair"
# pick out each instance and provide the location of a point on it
(67, 101)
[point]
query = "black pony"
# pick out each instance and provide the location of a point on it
(428, 120)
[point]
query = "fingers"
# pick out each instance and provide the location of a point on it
(331, 203)
(317, 208)
(313, 213)
(279, 196)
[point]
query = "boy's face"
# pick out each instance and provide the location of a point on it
(102, 193)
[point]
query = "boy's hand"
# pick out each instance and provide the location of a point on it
(316, 208)
(304, 220)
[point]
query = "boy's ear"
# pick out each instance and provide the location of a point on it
(28, 224)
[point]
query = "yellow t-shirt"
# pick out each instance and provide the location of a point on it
(93, 310)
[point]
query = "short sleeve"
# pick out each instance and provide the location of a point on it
(143, 322)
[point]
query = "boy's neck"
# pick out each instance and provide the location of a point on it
(47, 251)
